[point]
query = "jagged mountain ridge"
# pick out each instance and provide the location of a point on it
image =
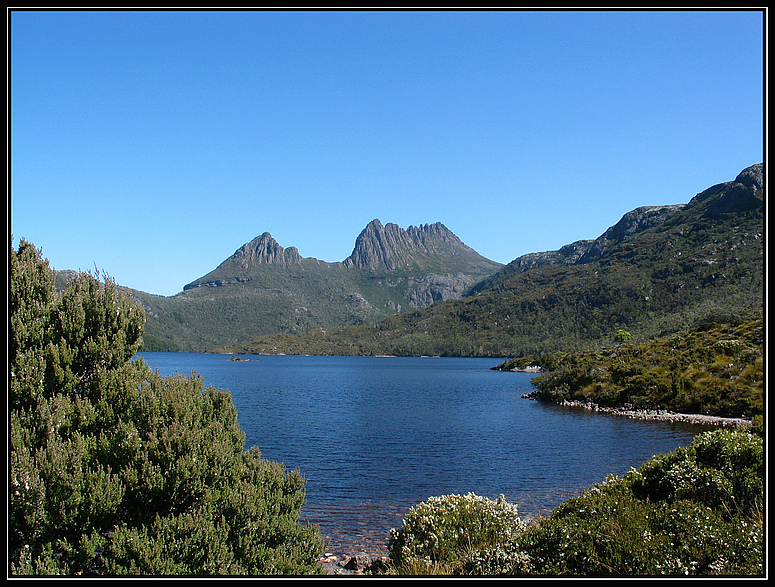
(265, 288)
(428, 248)
(262, 250)
(390, 248)
(659, 269)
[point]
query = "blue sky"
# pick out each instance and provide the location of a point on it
(152, 145)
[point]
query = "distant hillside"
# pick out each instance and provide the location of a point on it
(661, 269)
(265, 288)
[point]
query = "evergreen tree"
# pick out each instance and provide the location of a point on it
(117, 470)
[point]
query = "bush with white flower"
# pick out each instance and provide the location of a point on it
(463, 533)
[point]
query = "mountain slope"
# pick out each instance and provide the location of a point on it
(430, 248)
(265, 288)
(660, 269)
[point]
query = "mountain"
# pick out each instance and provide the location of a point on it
(429, 248)
(660, 269)
(584, 251)
(265, 288)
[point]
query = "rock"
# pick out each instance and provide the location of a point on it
(365, 562)
(265, 249)
(389, 248)
(357, 563)
(633, 222)
(752, 177)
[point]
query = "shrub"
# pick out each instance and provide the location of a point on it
(465, 534)
(600, 532)
(116, 470)
(716, 371)
(694, 511)
(697, 511)
(723, 469)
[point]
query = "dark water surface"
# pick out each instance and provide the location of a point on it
(376, 435)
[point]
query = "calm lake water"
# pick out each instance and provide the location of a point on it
(376, 435)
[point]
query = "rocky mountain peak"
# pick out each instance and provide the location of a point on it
(632, 222)
(752, 177)
(391, 248)
(744, 193)
(264, 249)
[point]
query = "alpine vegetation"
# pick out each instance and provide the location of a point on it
(115, 470)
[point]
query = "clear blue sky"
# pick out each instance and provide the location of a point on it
(152, 145)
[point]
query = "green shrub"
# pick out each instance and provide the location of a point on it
(694, 511)
(717, 371)
(117, 470)
(464, 534)
(600, 532)
(723, 470)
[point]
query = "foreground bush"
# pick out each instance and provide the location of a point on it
(694, 511)
(116, 470)
(697, 510)
(459, 534)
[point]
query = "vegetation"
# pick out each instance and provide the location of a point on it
(264, 288)
(116, 470)
(716, 370)
(695, 511)
(467, 533)
(702, 263)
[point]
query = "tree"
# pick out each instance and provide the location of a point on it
(622, 336)
(115, 469)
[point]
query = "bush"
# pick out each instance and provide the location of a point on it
(717, 371)
(116, 470)
(694, 511)
(599, 533)
(461, 534)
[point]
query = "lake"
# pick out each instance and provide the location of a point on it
(376, 435)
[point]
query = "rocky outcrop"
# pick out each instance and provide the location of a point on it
(431, 248)
(264, 249)
(631, 223)
(429, 289)
(567, 255)
(381, 247)
(740, 195)
(588, 251)
(752, 177)
(426, 263)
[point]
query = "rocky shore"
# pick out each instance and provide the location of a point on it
(347, 564)
(662, 415)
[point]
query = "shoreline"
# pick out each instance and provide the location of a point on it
(351, 564)
(336, 563)
(653, 414)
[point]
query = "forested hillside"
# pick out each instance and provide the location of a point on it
(660, 270)
(264, 288)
